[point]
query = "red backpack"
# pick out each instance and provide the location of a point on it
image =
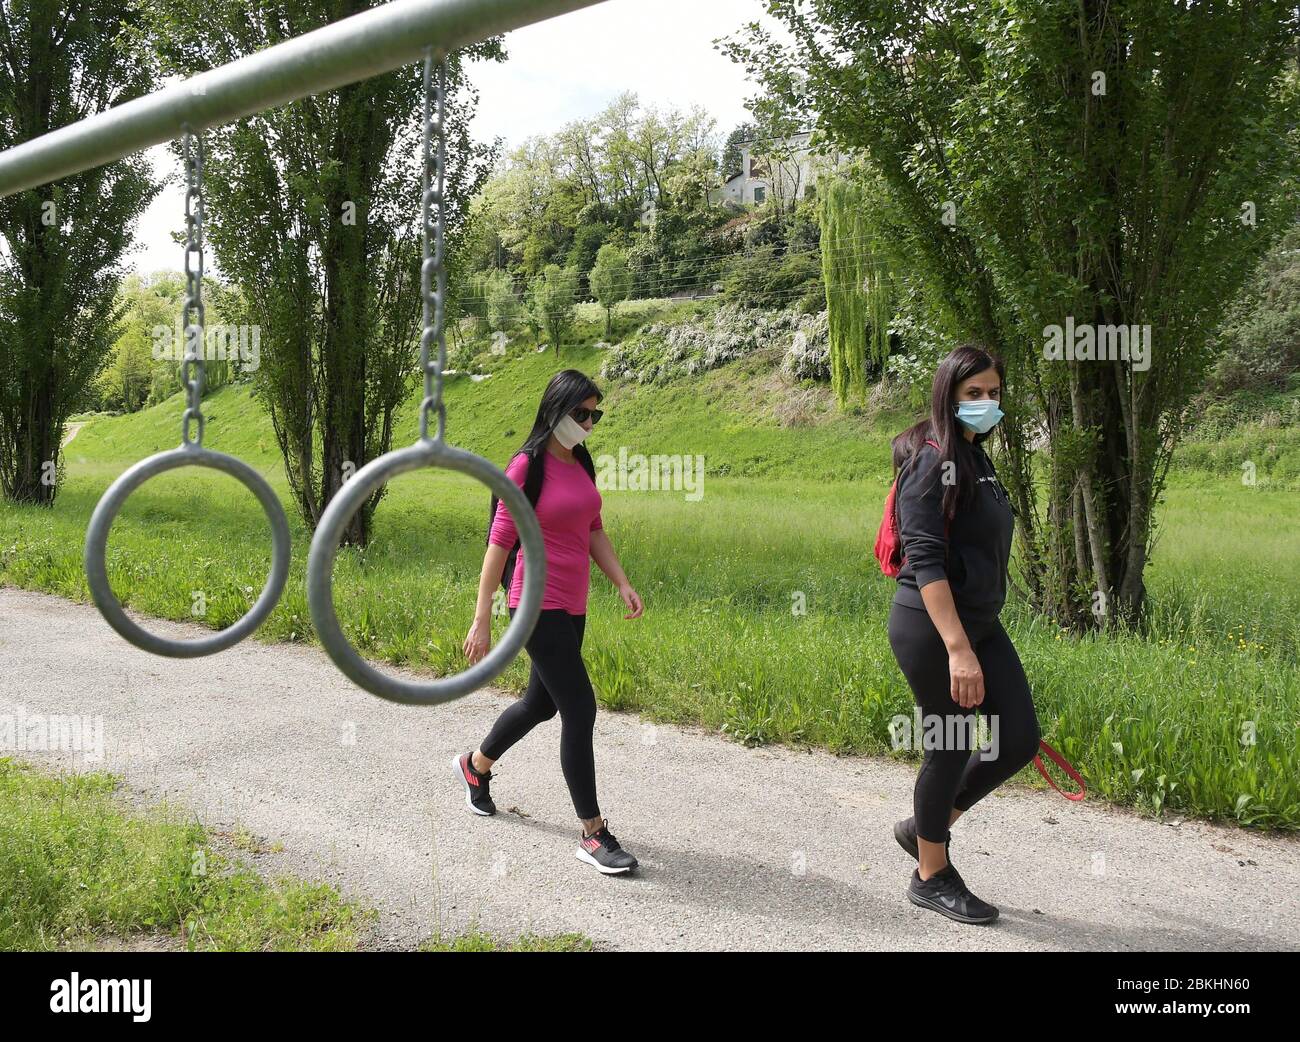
(888, 545)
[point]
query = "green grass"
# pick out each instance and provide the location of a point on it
(76, 866)
(80, 869)
(789, 513)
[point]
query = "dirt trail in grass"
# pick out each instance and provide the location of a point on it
(740, 848)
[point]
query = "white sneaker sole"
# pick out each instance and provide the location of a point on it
(455, 766)
(582, 855)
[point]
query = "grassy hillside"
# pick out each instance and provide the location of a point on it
(734, 416)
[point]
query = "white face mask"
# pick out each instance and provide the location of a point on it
(569, 432)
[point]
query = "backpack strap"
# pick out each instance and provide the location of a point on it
(532, 488)
(534, 478)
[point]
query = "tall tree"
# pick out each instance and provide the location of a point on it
(559, 198)
(611, 281)
(1106, 171)
(126, 381)
(313, 211)
(64, 243)
(554, 295)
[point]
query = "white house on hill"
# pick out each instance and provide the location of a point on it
(783, 169)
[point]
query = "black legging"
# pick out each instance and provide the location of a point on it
(956, 776)
(558, 681)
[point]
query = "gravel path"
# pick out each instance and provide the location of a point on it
(740, 848)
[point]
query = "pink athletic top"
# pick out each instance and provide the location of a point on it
(568, 511)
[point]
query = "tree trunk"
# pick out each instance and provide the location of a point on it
(347, 324)
(1092, 518)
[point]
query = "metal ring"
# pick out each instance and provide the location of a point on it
(325, 544)
(97, 542)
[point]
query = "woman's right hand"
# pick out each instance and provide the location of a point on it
(967, 677)
(478, 641)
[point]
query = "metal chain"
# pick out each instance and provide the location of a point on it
(192, 367)
(433, 270)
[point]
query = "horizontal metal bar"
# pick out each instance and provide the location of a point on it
(367, 44)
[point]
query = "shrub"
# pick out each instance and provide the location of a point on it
(668, 351)
(758, 279)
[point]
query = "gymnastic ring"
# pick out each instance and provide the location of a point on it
(188, 455)
(325, 545)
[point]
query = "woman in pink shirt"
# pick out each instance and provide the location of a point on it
(568, 511)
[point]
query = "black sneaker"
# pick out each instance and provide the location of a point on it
(477, 796)
(905, 833)
(945, 893)
(602, 852)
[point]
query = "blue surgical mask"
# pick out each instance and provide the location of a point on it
(981, 416)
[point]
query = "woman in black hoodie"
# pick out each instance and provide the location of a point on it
(954, 524)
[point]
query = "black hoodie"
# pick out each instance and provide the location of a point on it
(972, 553)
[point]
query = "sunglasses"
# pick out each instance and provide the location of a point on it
(581, 415)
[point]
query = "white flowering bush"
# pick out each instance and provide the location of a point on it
(668, 351)
(809, 357)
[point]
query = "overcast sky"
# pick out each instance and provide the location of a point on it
(561, 70)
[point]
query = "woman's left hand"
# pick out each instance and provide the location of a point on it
(633, 601)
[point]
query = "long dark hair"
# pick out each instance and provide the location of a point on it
(941, 426)
(568, 389)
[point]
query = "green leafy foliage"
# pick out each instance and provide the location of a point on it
(64, 243)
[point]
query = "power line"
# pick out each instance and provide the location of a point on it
(686, 281)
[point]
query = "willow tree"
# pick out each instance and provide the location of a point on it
(313, 212)
(857, 279)
(63, 244)
(1098, 175)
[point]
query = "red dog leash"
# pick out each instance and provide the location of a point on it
(1062, 763)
